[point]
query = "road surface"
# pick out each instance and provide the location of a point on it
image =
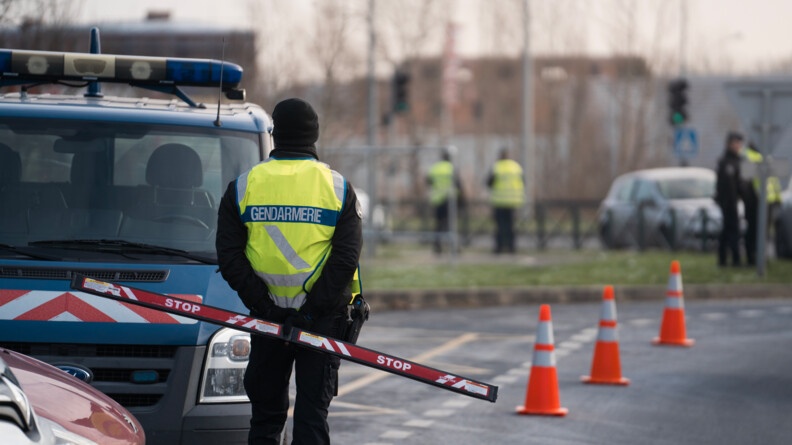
(734, 386)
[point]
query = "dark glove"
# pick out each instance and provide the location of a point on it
(297, 319)
(279, 314)
(267, 310)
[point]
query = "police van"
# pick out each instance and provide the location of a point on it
(126, 189)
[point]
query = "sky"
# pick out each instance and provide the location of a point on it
(734, 33)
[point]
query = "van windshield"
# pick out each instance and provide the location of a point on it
(152, 184)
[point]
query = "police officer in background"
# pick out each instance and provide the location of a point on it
(729, 187)
(506, 196)
(443, 184)
(291, 267)
(751, 190)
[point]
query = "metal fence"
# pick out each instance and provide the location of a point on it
(393, 181)
(557, 223)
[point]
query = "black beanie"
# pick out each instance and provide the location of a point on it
(295, 124)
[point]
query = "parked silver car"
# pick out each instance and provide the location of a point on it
(661, 207)
(783, 225)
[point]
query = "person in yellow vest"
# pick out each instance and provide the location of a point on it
(507, 195)
(443, 181)
(751, 197)
(288, 242)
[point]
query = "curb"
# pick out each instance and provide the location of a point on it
(384, 300)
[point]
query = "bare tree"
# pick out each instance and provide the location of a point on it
(279, 40)
(41, 23)
(336, 59)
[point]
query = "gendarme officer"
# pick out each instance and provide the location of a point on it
(728, 192)
(288, 241)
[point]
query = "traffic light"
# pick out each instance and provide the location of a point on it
(401, 81)
(677, 102)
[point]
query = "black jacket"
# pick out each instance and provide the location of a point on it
(729, 181)
(328, 293)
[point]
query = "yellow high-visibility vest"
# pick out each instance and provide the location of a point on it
(442, 176)
(290, 207)
(773, 183)
(507, 188)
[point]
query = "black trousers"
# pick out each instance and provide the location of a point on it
(267, 385)
(729, 240)
(504, 230)
(442, 225)
(752, 224)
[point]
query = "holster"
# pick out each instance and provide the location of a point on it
(357, 314)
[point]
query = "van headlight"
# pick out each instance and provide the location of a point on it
(224, 367)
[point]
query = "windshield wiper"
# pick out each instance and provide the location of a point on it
(28, 253)
(122, 246)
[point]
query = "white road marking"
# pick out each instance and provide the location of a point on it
(418, 423)
(356, 410)
(583, 338)
(456, 403)
(714, 316)
(395, 434)
(641, 322)
(518, 371)
(506, 378)
(571, 345)
(750, 313)
(438, 412)
(561, 353)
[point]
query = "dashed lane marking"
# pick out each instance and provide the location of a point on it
(395, 434)
(346, 409)
(714, 316)
(750, 313)
(571, 345)
(583, 338)
(438, 412)
(506, 378)
(641, 322)
(418, 423)
(456, 403)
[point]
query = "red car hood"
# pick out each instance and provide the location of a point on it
(72, 403)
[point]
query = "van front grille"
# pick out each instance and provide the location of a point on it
(58, 273)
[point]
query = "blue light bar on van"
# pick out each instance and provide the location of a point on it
(19, 65)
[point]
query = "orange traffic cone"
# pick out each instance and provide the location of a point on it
(672, 329)
(606, 366)
(541, 395)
